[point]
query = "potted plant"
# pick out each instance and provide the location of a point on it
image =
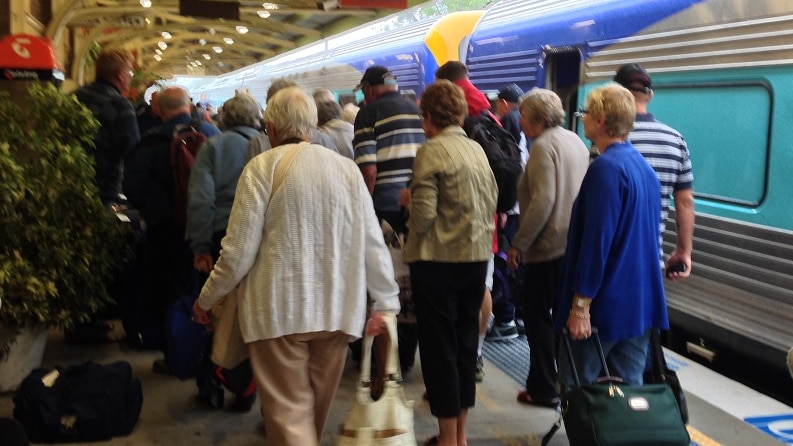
(59, 244)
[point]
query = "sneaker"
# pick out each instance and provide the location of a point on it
(502, 331)
(480, 369)
(521, 327)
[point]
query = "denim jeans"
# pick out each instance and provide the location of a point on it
(625, 358)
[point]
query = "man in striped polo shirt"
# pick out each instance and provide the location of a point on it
(665, 150)
(388, 132)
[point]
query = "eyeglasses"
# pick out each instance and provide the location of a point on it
(581, 112)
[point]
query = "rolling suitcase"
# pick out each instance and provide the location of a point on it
(609, 413)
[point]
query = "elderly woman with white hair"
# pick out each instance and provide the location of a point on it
(304, 245)
(546, 191)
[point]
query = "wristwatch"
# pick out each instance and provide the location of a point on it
(582, 303)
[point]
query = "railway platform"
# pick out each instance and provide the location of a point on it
(722, 411)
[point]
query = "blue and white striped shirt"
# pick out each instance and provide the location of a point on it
(667, 153)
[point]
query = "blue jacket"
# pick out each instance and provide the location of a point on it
(213, 182)
(612, 247)
(148, 176)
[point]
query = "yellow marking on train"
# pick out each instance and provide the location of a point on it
(490, 404)
(700, 438)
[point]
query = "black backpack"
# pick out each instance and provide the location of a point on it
(84, 402)
(503, 154)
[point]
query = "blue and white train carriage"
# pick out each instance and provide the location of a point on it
(723, 76)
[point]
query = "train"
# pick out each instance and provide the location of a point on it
(412, 53)
(723, 76)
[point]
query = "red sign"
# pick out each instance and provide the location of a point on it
(24, 51)
(374, 4)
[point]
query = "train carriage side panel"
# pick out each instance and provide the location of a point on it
(721, 72)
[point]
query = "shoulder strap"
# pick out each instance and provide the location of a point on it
(280, 170)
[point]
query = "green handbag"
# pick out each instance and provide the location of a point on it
(609, 413)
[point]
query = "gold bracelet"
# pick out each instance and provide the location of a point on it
(579, 314)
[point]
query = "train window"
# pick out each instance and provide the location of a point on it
(727, 128)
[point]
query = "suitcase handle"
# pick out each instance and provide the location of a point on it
(574, 368)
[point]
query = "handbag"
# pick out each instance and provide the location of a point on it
(395, 242)
(228, 347)
(609, 413)
(387, 421)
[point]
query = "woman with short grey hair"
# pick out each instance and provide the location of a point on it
(242, 110)
(210, 194)
(546, 190)
(297, 321)
(542, 107)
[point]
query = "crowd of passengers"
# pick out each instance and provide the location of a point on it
(285, 212)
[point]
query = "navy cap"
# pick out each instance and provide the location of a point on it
(510, 93)
(631, 74)
(376, 75)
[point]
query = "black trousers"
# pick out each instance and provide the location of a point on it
(447, 297)
(539, 300)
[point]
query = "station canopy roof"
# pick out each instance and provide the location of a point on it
(195, 37)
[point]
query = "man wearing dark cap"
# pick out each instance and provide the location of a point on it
(507, 109)
(388, 132)
(667, 153)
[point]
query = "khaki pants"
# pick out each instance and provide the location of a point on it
(297, 377)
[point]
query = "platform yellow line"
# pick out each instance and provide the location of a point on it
(490, 404)
(700, 438)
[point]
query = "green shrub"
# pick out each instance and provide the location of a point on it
(59, 244)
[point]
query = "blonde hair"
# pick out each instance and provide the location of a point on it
(615, 104)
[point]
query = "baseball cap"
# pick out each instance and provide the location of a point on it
(510, 93)
(631, 74)
(376, 75)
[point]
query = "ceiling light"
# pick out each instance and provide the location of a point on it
(145, 3)
(221, 64)
(157, 57)
(263, 14)
(242, 29)
(207, 56)
(211, 31)
(228, 40)
(269, 6)
(197, 62)
(217, 49)
(202, 41)
(162, 45)
(166, 35)
(158, 51)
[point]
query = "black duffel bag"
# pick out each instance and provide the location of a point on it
(84, 402)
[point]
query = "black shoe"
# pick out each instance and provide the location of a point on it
(212, 394)
(243, 403)
(161, 367)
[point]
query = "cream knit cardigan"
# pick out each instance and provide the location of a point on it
(308, 265)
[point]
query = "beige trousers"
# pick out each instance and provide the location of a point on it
(297, 377)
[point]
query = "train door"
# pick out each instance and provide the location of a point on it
(563, 75)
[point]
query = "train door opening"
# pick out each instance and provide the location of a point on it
(563, 75)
